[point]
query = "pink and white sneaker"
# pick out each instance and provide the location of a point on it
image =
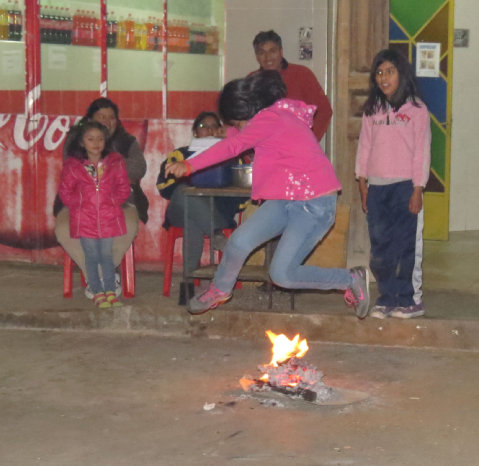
(208, 299)
(358, 295)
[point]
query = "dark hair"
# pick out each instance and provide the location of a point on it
(267, 36)
(203, 115)
(241, 99)
(407, 89)
(100, 103)
(77, 149)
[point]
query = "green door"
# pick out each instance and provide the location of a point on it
(411, 22)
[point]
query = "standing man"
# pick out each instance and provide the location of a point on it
(301, 83)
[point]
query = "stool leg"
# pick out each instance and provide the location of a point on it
(127, 268)
(67, 276)
(168, 256)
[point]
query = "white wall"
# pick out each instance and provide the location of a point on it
(245, 18)
(464, 207)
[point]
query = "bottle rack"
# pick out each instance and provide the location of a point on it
(11, 20)
(59, 26)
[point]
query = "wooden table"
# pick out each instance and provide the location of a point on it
(254, 273)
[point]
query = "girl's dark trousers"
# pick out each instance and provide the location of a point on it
(392, 232)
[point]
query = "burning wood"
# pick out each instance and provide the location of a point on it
(288, 373)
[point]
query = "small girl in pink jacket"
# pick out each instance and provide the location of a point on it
(295, 182)
(94, 184)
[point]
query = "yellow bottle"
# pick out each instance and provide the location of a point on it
(143, 32)
(121, 34)
(3, 23)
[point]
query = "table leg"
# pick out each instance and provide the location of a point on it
(212, 229)
(186, 277)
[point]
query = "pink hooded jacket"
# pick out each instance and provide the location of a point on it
(288, 163)
(95, 210)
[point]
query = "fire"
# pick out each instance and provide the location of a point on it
(284, 348)
(287, 372)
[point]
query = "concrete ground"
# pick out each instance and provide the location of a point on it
(103, 398)
(129, 387)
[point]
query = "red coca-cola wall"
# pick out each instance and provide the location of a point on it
(31, 159)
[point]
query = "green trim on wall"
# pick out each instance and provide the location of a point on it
(412, 14)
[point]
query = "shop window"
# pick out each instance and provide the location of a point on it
(140, 64)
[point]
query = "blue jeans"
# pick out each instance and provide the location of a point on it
(301, 224)
(98, 252)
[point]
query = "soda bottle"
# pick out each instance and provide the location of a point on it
(197, 38)
(130, 32)
(43, 24)
(158, 25)
(151, 40)
(184, 36)
(93, 29)
(111, 30)
(141, 35)
(68, 27)
(121, 34)
(82, 28)
(3, 23)
(56, 26)
(17, 22)
(172, 36)
(76, 28)
(10, 19)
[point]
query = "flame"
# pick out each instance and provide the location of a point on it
(284, 348)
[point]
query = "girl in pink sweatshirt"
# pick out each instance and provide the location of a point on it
(392, 165)
(293, 177)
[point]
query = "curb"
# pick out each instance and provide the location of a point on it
(234, 323)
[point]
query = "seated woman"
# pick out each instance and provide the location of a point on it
(105, 111)
(199, 223)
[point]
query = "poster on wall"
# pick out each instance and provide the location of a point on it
(305, 43)
(428, 57)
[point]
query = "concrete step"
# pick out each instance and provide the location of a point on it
(236, 323)
(31, 298)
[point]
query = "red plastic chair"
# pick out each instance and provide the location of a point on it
(172, 234)
(127, 272)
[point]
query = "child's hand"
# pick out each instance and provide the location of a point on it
(363, 193)
(177, 169)
(220, 132)
(415, 202)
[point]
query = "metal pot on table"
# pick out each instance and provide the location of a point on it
(242, 175)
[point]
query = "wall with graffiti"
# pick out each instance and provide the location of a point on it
(31, 155)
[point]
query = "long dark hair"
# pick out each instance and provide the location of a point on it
(100, 103)
(407, 89)
(78, 150)
(242, 99)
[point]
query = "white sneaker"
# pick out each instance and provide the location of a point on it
(118, 289)
(88, 292)
(380, 312)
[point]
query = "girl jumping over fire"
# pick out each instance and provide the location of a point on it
(294, 179)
